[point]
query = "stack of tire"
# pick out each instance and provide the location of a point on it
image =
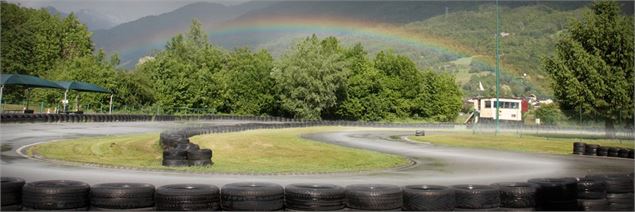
(619, 191)
(591, 149)
(178, 151)
(65, 195)
(578, 148)
(11, 193)
(517, 196)
(592, 194)
(477, 197)
(122, 196)
(556, 194)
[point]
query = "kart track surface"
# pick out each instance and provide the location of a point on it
(434, 164)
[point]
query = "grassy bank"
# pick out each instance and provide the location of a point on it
(513, 142)
(257, 151)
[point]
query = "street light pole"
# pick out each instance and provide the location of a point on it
(497, 65)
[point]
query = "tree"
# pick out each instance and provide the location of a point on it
(592, 69)
(246, 83)
(309, 77)
(549, 114)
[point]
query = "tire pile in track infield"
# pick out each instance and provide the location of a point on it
(593, 192)
(178, 151)
(581, 148)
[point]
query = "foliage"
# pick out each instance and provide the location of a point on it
(309, 77)
(592, 69)
(549, 114)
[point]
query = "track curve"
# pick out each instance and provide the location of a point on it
(434, 164)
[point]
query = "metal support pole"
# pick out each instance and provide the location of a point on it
(1, 90)
(27, 99)
(497, 65)
(65, 102)
(110, 110)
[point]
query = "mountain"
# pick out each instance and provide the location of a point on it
(95, 20)
(138, 38)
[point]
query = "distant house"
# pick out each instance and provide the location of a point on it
(510, 109)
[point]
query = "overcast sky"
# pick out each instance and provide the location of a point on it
(119, 10)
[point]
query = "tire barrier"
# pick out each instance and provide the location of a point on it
(428, 198)
(252, 197)
(374, 197)
(55, 195)
(314, 197)
(556, 194)
(127, 196)
(178, 151)
(186, 197)
(580, 148)
(553, 194)
(11, 193)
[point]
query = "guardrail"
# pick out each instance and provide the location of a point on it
(594, 192)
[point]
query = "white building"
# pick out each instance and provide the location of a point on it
(509, 109)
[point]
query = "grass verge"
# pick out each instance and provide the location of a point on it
(513, 142)
(256, 151)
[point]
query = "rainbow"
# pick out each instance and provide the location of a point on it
(319, 25)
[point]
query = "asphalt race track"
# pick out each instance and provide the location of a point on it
(433, 164)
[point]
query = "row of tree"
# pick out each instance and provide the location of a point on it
(315, 79)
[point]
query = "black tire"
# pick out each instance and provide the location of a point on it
(556, 193)
(173, 154)
(517, 195)
(55, 195)
(476, 196)
(175, 163)
(11, 207)
(180, 197)
(374, 197)
(603, 151)
(66, 209)
(589, 188)
(252, 196)
(314, 197)
(593, 204)
(11, 190)
(517, 209)
(616, 183)
(128, 209)
(122, 195)
(428, 198)
(631, 153)
(590, 149)
(623, 153)
(207, 162)
(200, 154)
(187, 147)
(613, 152)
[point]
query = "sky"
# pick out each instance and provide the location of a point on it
(119, 11)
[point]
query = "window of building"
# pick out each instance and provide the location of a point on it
(488, 104)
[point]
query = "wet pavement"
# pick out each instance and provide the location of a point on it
(434, 164)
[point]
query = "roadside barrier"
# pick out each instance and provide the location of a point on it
(589, 193)
(580, 148)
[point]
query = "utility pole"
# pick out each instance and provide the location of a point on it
(497, 65)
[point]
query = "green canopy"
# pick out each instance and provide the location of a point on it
(27, 81)
(82, 86)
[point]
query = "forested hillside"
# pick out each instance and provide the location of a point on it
(529, 33)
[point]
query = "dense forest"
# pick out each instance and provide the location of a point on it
(316, 78)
